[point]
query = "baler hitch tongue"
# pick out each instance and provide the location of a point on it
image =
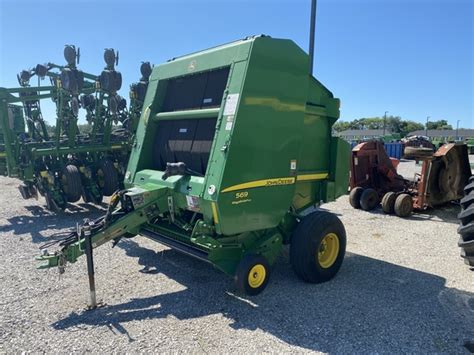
(91, 234)
(71, 247)
(47, 261)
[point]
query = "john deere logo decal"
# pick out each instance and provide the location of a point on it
(192, 66)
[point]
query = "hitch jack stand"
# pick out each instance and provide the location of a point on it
(86, 231)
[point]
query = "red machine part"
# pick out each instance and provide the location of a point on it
(371, 167)
(442, 179)
(448, 173)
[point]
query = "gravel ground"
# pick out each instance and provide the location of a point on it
(402, 288)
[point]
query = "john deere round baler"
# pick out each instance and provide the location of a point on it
(233, 152)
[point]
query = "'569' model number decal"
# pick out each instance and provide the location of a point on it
(242, 194)
(241, 197)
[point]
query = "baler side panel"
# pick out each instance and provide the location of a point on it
(145, 135)
(338, 183)
(268, 124)
(318, 156)
(313, 159)
(142, 154)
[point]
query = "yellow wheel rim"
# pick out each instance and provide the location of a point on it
(328, 250)
(257, 276)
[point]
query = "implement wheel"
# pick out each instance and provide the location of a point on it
(107, 177)
(369, 199)
(71, 183)
(252, 274)
(354, 197)
(403, 205)
(388, 202)
(317, 247)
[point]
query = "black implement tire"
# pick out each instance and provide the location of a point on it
(388, 202)
(354, 197)
(71, 183)
(317, 234)
(403, 205)
(417, 152)
(107, 176)
(369, 199)
(252, 274)
(467, 251)
(466, 224)
(469, 187)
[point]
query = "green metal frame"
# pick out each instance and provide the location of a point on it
(37, 159)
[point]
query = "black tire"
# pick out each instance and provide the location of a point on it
(388, 202)
(403, 205)
(71, 183)
(466, 231)
(469, 187)
(467, 251)
(369, 199)
(107, 177)
(417, 152)
(466, 224)
(354, 197)
(309, 244)
(252, 274)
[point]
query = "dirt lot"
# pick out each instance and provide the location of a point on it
(402, 288)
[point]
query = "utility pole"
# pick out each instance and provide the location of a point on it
(384, 122)
(426, 127)
(457, 130)
(312, 30)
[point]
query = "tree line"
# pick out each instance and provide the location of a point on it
(393, 124)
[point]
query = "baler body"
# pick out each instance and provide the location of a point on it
(254, 127)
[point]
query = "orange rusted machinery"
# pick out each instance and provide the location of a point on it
(372, 168)
(374, 178)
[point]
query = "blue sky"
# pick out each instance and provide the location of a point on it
(413, 58)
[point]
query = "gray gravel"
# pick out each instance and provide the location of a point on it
(402, 288)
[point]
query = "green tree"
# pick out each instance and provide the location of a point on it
(84, 128)
(440, 124)
(50, 128)
(340, 126)
(410, 126)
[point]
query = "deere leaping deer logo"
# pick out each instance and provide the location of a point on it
(192, 66)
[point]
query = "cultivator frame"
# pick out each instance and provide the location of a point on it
(69, 165)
